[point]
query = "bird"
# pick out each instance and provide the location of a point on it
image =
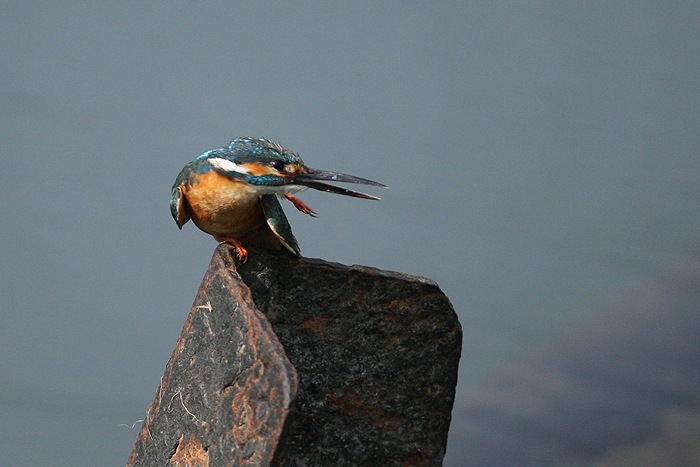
(233, 192)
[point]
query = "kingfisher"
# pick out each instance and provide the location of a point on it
(232, 193)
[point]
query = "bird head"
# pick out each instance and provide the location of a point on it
(273, 169)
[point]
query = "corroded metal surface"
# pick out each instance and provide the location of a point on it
(227, 388)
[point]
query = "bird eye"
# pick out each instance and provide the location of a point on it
(277, 165)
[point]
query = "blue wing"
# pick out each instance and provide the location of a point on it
(277, 220)
(178, 205)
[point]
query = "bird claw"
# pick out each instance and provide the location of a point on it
(300, 205)
(240, 249)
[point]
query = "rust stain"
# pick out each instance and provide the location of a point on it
(251, 417)
(190, 452)
(414, 460)
(316, 324)
(352, 405)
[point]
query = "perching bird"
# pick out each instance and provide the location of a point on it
(230, 193)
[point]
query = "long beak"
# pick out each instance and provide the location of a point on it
(313, 178)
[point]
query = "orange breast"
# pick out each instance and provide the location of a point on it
(224, 207)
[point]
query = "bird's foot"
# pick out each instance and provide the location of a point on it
(240, 250)
(300, 205)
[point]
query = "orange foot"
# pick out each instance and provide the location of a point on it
(300, 205)
(240, 250)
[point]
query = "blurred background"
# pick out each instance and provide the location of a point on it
(543, 166)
